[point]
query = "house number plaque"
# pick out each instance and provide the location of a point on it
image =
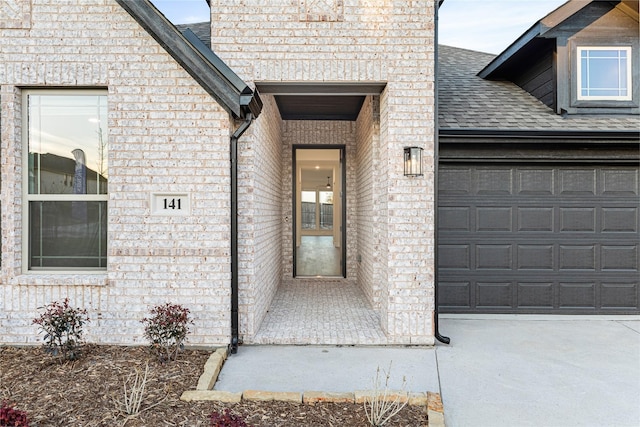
(170, 204)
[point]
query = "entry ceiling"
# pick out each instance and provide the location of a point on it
(311, 107)
(298, 101)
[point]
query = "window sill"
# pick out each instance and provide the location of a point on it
(69, 279)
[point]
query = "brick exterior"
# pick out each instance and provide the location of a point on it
(390, 42)
(260, 221)
(167, 135)
(367, 158)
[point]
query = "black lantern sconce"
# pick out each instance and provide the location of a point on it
(413, 161)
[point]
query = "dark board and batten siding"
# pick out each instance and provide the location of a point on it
(524, 237)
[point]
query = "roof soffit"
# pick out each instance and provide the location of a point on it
(630, 7)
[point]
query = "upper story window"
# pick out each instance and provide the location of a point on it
(604, 73)
(66, 176)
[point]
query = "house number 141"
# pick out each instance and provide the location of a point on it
(172, 204)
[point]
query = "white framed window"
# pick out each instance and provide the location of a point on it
(604, 73)
(65, 180)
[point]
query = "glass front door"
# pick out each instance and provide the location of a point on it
(318, 239)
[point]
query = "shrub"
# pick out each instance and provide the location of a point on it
(11, 417)
(384, 404)
(226, 419)
(62, 326)
(166, 330)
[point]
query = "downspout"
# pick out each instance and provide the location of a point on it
(234, 231)
(442, 339)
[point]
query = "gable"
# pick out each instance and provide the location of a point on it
(544, 60)
(602, 19)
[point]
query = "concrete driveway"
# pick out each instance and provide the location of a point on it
(540, 371)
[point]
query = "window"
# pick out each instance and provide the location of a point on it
(604, 73)
(66, 176)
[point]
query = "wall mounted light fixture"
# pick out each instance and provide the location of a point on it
(413, 161)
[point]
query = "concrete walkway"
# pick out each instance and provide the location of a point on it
(498, 371)
(328, 368)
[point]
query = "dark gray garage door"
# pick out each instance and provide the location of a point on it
(538, 239)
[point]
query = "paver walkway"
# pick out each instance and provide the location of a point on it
(326, 311)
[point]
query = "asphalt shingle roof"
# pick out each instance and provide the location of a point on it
(467, 101)
(201, 29)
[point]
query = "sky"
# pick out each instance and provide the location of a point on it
(483, 25)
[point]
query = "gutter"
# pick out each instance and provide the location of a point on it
(436, 156)
(233, 349)
(535, 136)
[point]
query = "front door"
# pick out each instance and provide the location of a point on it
(319, 212)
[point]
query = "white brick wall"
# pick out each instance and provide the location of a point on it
(367, 41)
(260, 220)
(166, 134)
(367, 159)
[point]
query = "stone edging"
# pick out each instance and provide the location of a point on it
(212, 367)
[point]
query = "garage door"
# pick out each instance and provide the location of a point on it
(538, 239)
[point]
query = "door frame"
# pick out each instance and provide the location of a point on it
(343, 200)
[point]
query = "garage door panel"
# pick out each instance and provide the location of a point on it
(455, 181)
(493, 218)
(535, 182)
(577, 257)
(454, 257)
(492, 181)
(535, 219)
(577, 182)
(620, 257)
(494, 257)
(577, 295)
(535, 257)
(494, 294)
(535, 295)
(617, 182)
(619, 295)
(581, 219)
(454, 218)
(620, 220)
(455, 294)
(564, 241)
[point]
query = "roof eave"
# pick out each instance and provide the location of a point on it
(499, 60)
(539, 29)
(215, 77)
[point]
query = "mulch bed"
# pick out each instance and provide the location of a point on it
(87, 392)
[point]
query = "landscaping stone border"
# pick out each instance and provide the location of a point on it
(204, 392)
